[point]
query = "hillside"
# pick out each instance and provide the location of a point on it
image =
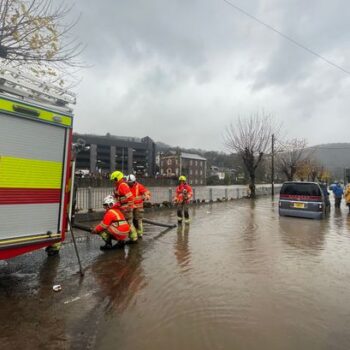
(334, 156)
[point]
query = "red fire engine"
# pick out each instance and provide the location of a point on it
(35, 156)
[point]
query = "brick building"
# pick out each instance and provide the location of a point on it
(193, 166)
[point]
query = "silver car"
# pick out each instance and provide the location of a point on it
(302, 199)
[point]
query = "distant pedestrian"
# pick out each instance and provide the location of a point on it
(347, 196)
(182, 199)
(338, 194)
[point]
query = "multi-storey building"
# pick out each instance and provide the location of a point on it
(109, 153)
(193, 166)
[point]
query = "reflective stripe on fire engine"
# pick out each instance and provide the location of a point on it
(14, 107)
(29, 173)
(28, 239)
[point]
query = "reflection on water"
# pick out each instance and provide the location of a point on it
(119, 277)
(24, 313)
(182, 251)
(305, 234)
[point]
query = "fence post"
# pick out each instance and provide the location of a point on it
(226, 193)
(237, 193)
(194, 195)
(210, 194)
(170, 195)
(90, 199)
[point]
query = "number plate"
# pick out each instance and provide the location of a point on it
(299, 205)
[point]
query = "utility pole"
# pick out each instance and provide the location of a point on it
(272, 165)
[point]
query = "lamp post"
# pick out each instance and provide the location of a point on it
(273, 165)
(123, 160)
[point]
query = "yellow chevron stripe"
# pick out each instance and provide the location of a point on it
(26, 239)
(56, 118)
(29, 173)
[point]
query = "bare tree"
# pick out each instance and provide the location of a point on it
(250, 138)
(310, 169)
(36, 33)
(291, 155)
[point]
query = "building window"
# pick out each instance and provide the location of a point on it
(169, 171)
(201, 172)
(177, 171)
(196, 172)
(169, 161)
(176, 161)
(190, 171)
(196, 163)
(190, 162)
(201, 182)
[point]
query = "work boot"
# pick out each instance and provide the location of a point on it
(119, 245)
(108, 242)
(187, 221)
(51, 252)
(53, 249)
(179, 219)
(132, 234)
(107, 246)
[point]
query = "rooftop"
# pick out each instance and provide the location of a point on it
(191, 156)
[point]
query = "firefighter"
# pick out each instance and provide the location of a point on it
(112, 226)
(124, 201)
(140, 193)
(182, 199)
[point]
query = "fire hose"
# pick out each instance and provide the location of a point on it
(155, 223)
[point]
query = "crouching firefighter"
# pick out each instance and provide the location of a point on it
(113, 225)
(140, 193)
(124, 201)
(182, 199)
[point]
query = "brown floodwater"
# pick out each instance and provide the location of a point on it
(237, 277)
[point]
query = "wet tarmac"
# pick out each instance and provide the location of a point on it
(238, 277)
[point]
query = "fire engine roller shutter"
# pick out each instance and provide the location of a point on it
(31, 170)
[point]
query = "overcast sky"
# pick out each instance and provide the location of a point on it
(180, 71)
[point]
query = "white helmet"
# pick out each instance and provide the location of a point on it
(109, 201)
(131, 178)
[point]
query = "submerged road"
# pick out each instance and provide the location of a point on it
(238, 277)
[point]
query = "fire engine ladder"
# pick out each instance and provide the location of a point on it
(17, 83)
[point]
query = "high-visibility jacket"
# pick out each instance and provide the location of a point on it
(140, 193)
(347, 194)
(115, 224)
(183, 193)
(124, 197)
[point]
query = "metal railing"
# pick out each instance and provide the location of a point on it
(90, 198)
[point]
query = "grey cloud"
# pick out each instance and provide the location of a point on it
(179, 71)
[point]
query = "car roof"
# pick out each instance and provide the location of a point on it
(301, 182)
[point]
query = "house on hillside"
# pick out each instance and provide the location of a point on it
(193, 166)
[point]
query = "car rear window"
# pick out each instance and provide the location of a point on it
(301, 189)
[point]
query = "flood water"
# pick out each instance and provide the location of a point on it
(237, 277)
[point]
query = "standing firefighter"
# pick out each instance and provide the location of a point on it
(124, 201)
(140, 194)
(182, 199)
(113, 226)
